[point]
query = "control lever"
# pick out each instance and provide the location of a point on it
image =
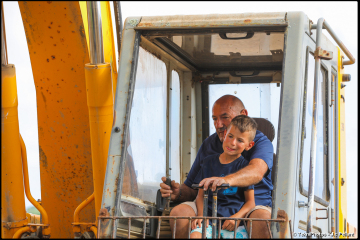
(214, 206)
(163, 204)
(168, 199)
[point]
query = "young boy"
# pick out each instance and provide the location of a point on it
(232, 202)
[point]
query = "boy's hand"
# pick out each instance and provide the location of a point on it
(230, 225)
(214, 181)
(197, 222)
(166, 190)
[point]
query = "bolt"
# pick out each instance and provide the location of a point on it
(117, 129)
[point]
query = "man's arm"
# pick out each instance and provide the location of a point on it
(187, 193)
(249, 175)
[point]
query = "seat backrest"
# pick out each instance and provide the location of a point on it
(267, 128)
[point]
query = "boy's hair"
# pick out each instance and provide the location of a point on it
(244, 123)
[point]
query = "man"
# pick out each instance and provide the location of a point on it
(257, 173)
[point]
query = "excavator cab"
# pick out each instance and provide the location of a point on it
(173, 68)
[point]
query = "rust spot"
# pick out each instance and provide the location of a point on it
(53, 57)
(58, 31)
(49, 27)
(49, 2)
(47, 60)
(51, 37)
(73, 31)
(54, 45)
(104, 213)
(247, 20)
(43, 158)
(283, 226)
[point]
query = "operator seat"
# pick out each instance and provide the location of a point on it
(267, 128)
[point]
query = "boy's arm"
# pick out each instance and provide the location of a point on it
(249, 204)
(200, 202)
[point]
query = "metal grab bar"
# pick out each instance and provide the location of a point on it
(160, 218)
(326, 26)
(314, 129)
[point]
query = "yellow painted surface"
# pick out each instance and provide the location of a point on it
(58, 54)
(108, 36)
(12, 186)
(101, 108)
(45, 219)
(342, 149)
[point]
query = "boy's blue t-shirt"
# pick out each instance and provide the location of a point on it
(262, 149)
(230, 200)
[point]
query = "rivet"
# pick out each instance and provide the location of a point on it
(117, 129)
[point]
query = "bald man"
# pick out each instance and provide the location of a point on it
(257, 173)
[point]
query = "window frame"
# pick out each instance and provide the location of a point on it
(325, 202)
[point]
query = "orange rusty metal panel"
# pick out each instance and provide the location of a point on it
(58, 54)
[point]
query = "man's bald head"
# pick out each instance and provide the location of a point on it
(232, 101)
(224, 110)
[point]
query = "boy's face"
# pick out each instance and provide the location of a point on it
(236, 142)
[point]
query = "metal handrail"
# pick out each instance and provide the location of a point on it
(314, 129)
(326, 26)
(95, 32)
(160, 218)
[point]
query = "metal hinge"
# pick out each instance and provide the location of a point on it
(302, 204)
(323, 54)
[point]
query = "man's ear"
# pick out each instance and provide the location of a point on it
(244, 112)
(251, 144)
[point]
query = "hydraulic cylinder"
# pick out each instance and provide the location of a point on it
(13, 213)
(101, 109)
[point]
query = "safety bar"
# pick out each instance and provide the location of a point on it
(314, 129)
(325, 25)
(160, 218)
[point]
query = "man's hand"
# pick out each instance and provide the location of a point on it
(166, 190)
(214, 181)
(230, 225)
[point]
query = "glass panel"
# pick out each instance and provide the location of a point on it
(262, 100)
(321, 145)
(146, 151)
(214, 50)
(175, 127)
